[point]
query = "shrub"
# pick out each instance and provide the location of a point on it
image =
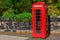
(8, 15)
(25, 16)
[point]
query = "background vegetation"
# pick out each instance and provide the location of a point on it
(20, 10)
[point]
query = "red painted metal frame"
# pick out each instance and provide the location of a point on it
(44, 16)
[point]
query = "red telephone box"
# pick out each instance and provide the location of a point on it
(39, 20)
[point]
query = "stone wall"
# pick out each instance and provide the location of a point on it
(12, 25)
(8, 26)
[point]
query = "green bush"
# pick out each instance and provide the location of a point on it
(25, 16)
(8, 15)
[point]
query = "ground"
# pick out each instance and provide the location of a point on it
(29, 37)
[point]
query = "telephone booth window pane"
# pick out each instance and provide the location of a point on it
(38, 12)
(38, 16)
(38, 19)
(38, 22)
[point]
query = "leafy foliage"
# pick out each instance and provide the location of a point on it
(53, 11)
(8, 15)
(19, 6)
(25, 16)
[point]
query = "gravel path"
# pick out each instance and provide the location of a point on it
(51, 37)
(6, 37)
(27, 37)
